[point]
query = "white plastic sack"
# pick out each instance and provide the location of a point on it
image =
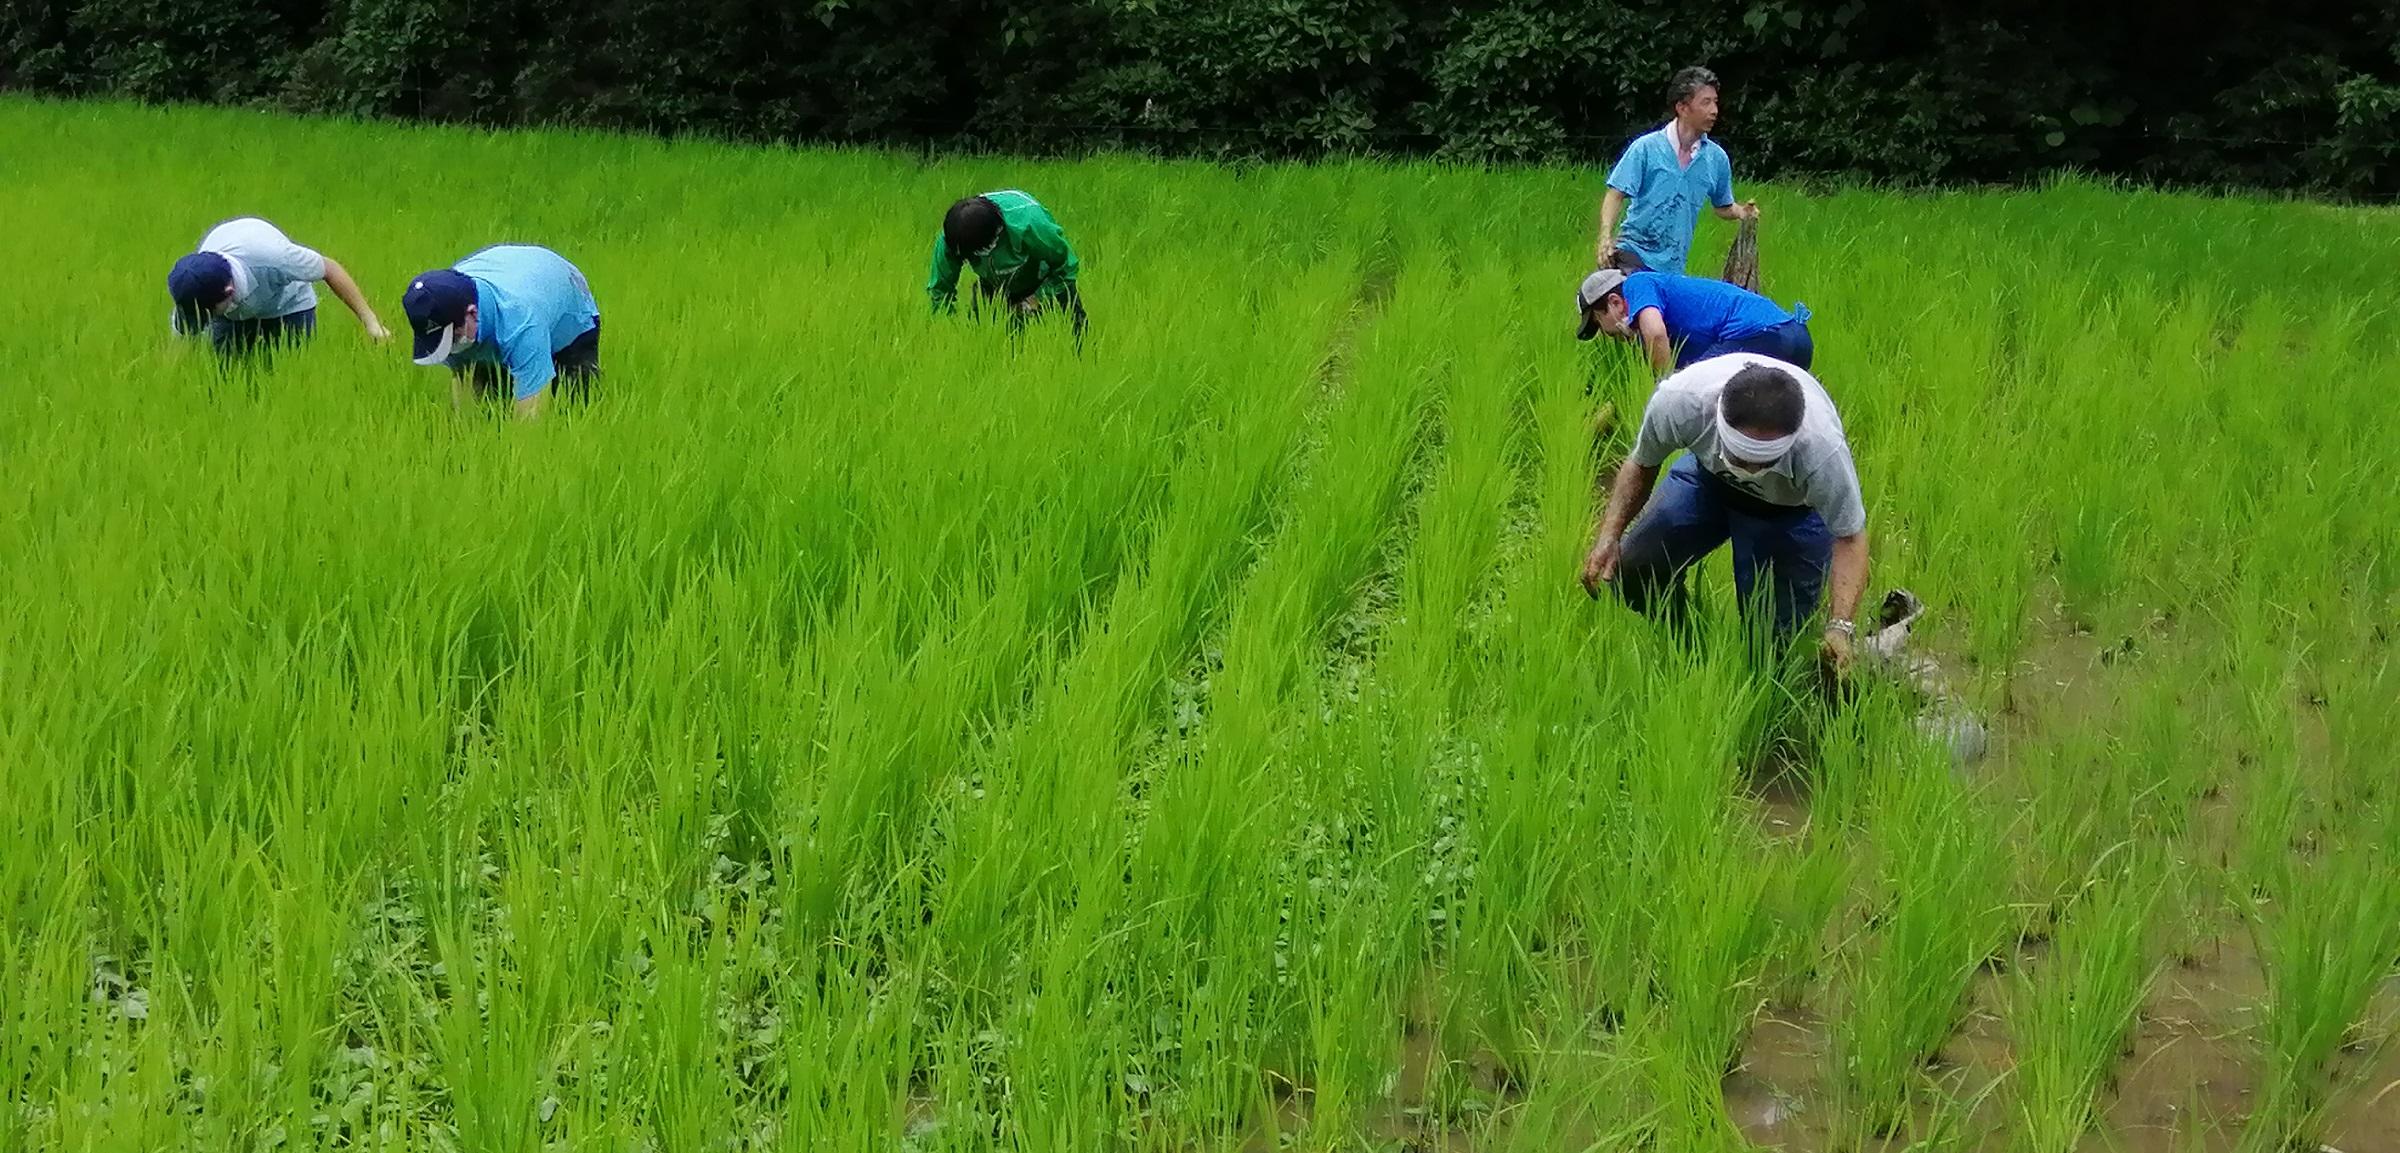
(1941, 717)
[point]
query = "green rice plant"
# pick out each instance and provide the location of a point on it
(1583, 1091)
(2327, 931)
(1350, 969)
(1939, 914)
(847, 1050)
(2093, 798)
(2070, 1013)
(1708, 974)
(1808, 880)
(1952, 1123)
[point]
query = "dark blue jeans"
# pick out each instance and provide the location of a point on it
(578, 370)
(1788, 342)
(1690, 515)
(243, 337)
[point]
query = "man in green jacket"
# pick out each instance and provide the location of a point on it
(1019, 254)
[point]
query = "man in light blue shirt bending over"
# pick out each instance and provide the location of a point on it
(1667, 175)
(512, 309)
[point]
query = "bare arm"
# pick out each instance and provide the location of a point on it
(1849, 584)
(1628, 492)
(1744, 211)
(1626, 496)
(338, 279)
(531, 361)
(1612, 208)
(1653, 330)
(1849, 575)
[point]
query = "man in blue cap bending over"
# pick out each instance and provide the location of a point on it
(1682, 320)
(249, 287)
(513, 309)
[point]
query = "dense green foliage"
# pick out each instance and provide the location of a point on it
(863, 731)
(2302, 95)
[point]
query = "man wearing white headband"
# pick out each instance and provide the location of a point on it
(1767, 467)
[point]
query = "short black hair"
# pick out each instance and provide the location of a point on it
(971, 226)
(1764, 401)
(1687, 83)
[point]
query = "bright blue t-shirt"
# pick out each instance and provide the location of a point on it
(1667, 196)
(1699, 312)
(529, 303)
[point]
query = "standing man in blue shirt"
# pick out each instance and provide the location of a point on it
(513, 309)
(1683, 320)
(1667, 175)
(249, 287)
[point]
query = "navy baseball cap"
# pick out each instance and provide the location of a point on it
(198, 283)
(436, 302)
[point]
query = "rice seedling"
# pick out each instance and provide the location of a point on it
(2071, 1011)
(2328, 933)
(1941, 914)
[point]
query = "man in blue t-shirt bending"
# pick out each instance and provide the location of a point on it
(514, 311)
(1683, 320)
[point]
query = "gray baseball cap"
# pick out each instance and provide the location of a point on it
(1595, 286)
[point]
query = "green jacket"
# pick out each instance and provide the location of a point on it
(1030, 257)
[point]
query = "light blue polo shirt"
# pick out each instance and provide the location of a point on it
(1667, 196)
(529, 303)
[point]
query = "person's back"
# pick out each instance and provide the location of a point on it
(250, 287)
(536, 292)
(1701, 310)
(1707, 318)
(1020, 255)
(275, 276)
(1816, 471)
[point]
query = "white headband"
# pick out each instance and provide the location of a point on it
(1742, 447)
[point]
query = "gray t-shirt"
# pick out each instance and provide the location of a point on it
(271, 275)
(1817, 473)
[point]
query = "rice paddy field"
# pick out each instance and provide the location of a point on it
(857, 730)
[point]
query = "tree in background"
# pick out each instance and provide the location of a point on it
(2303, 95)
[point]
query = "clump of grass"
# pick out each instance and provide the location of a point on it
(1940, 913)
(2071, 1011)
(2328, 933)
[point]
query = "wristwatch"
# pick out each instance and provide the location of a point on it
(1842, 626)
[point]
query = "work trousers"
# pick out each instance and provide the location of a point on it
(241, 338)
(1690, 515)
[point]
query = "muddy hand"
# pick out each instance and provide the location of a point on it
(1835, 653)
(1600, 567)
